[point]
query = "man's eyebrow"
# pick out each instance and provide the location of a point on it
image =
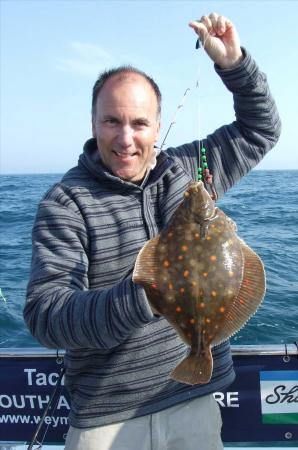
(142, 119)
(110, 116)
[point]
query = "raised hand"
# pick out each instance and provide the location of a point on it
(219, 39)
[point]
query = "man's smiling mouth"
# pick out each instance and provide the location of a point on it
(124, 155)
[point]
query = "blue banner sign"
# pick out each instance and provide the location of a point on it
(261, 405)
(26, 385)
(263, 400)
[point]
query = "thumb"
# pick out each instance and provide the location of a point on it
(200, 29)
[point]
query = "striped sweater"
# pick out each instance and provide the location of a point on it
(88, 231)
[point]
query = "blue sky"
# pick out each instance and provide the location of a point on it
(52, 52)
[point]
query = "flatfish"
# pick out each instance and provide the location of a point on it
(202, 278)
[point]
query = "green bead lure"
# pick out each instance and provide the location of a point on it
(204, 173)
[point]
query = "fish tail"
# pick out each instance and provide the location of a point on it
(194, 369)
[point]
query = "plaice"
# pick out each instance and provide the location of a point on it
(202, 278)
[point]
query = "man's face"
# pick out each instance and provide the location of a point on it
(126, 125)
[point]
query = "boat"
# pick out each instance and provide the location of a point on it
(261, 406)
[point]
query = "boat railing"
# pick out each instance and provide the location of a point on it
(266, 349)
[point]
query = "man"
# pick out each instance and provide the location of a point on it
(88, 232)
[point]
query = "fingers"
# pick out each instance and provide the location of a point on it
(213, 25)
(220, 24)
(206, 20)
(200, 28)
(219, 39)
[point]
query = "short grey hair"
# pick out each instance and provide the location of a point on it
(123, 70)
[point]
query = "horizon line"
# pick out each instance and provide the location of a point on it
(62, 173)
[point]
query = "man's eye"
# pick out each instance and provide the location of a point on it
(111, 120)
(140, 123)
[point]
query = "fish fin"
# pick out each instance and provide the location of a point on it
(194, 369)
(250, 295)
(146, 265)
(145, 273)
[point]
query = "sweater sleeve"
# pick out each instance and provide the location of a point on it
(234, 149)
(61, 311)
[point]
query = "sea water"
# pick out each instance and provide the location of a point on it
(264, 206)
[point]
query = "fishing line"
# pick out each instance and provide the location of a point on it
(180, 105)
(203, 173)
(13, 315)
(187, 91)
(2, 296)
(34, 440)
(10, 337)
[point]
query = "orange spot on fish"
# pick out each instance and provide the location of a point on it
(213, 258)
(184, 248)
(166, 263)
(178, 309)
(213, 293)
(222, 309)
(186, 273)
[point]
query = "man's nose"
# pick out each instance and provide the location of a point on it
(125, 136)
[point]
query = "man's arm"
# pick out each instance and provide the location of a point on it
(61, 310)
(233, 150)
